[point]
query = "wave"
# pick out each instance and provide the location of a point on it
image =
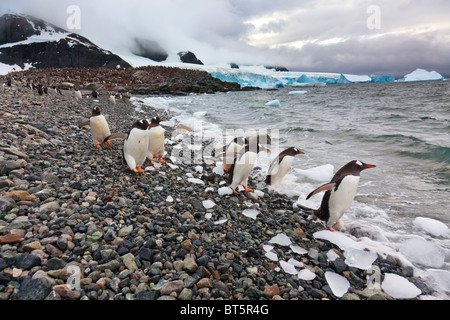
(411, 146)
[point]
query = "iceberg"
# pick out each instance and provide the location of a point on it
(248, 79)
(351, 78)
(376, 78)
(273, 103)
(422, 75)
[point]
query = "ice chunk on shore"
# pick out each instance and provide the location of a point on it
(306, 274)
(224, 191)
(360, 259)
(271, 255)
(338, 284)
(399, 287)
(288, 268)
(195, 180)
(208, 204)
(432, 226)
(321, 173)
(273, 103)
(169, 199)
(298, 249)
(338, 238)
(221, 221)
(423, 252)
(281, 239)
(251, 213)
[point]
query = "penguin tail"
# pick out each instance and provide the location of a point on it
(315, 214)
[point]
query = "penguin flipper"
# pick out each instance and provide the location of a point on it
(324, 187)
(84, 124)
(116, 136)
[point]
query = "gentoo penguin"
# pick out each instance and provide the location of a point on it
(78, 95)
(231, 150)
(280, 166)
(339, 194)
(112, 99)
(242, 166)
(135, 146)
(99, 127)
(156, 141)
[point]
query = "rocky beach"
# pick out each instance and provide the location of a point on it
(76, 224)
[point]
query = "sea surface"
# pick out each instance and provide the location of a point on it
(403, 128)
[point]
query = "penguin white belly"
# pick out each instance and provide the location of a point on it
(156, 142)
(230, 154)
(341, 199)
(99, 128)
(281, 170)
(242, 169)
(135, 148)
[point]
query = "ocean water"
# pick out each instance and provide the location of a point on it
(402, 128)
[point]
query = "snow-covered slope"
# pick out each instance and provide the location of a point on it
(27, 42)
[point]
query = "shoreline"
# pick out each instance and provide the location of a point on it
(82, 208)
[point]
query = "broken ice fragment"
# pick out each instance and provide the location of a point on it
(272, 256)
(306, 274)
(298, 249)
(224, 191)
(251, 213)
(288, 268)
(281, 239)
(208, 204)
(360, 259)
(399, 287)
(338, 284)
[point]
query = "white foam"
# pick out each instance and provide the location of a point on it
(322, 173)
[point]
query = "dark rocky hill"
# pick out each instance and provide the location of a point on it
(32, 42)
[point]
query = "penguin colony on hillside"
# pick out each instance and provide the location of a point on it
(145, 141)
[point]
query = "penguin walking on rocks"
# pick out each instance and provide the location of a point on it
(135, 146)
(231, 150)
(112, 99)
(242, 166)
(156, 141)
(99, 127)
(280, 166)
(339, 194)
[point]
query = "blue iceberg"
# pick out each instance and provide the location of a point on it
(249, 79)
(376, 78)
(351, 78)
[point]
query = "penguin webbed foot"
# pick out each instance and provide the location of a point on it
(98, 146)
(161, 160)
(235, 192)
(109, 143)
(248, 189)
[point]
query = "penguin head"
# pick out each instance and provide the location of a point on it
(259, 147)
(155, 121)
(359, 165)
(294, 151)
(96, 111)
(142, 124)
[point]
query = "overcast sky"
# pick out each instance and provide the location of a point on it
(361, 36)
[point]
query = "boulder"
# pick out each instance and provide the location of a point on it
(189, 57)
